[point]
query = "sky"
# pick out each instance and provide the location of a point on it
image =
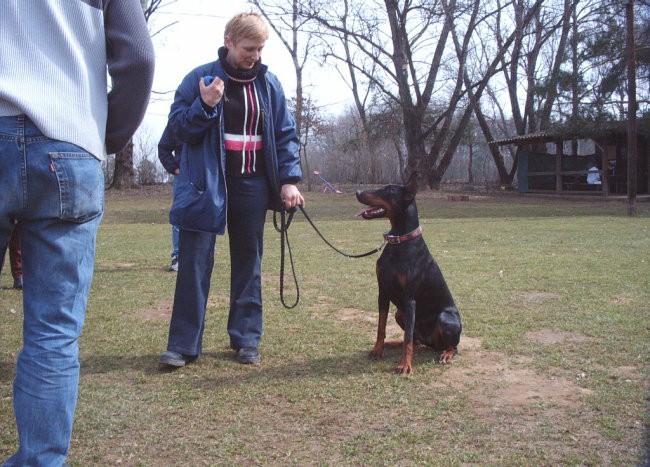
(188, 33)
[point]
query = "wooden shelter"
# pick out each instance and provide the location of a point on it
(546, 165)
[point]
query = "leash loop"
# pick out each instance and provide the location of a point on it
(285, 222)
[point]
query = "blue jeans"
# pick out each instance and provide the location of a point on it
(55, 191)
(248, 201)
(175, 229)
(176, 235)
(195, 262)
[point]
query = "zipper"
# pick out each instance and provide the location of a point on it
(271, 131)
(222, 161)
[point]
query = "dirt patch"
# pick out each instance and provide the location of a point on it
(121, 266)
(507, 383)
(162, 309)
(507, 394)
(370, 319)
(538, 296)
(552, 336)
(621, 300)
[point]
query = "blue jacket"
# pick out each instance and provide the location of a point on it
(201, 197)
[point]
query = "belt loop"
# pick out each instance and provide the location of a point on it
(21, 127)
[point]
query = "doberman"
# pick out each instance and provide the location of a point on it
(409, 277)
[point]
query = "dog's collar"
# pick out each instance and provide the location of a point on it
(403, 238)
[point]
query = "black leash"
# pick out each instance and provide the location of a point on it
(368, 253)
(284, 238)
(285, 222)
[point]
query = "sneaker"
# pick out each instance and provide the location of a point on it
(176, 359)
(247, 355)
(18, 283)
(174, 266)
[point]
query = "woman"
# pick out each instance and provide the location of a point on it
(239, 159)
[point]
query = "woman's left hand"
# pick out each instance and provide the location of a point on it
(291, 196)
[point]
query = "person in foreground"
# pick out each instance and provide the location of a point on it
(169, 154)
(57, 121)
(239, 159)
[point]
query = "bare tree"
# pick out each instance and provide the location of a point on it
(290, 27)
(311, 120)
(560, 70)
(421, 56)
(521, 69)
(148, 171)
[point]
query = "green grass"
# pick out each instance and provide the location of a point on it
(553, 364)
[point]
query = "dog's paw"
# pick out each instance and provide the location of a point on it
(404, 370)
(377, 351)
(447, 356)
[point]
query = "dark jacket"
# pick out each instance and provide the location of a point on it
(201, 198)
(169, 150)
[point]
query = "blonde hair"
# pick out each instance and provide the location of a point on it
(246, 26)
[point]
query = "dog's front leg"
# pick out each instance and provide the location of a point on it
(405, 366)
(383, 305)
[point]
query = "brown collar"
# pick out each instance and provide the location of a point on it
(403, 238)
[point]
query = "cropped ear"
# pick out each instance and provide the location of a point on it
(411, 187)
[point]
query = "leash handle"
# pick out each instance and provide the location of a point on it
(284, 238)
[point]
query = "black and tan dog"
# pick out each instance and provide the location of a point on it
(409, 277)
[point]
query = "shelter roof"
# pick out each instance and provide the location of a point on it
(585, 131)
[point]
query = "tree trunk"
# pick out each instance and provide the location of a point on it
(470, 172)
(124, 176)
(504, 177)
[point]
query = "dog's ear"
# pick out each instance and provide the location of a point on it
(411, 187)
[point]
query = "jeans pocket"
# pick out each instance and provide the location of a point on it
(81, 185)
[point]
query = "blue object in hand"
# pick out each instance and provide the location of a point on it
(207, 80)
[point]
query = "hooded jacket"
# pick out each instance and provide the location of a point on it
(200, 202)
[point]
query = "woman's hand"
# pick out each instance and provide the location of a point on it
(212, 93)
(291, 196)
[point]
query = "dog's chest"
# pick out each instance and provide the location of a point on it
(403, 267)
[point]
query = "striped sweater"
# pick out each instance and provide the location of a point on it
(243, 130)
(53, 67)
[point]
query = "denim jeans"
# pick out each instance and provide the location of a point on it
(248, 200)
(176, 235)
(175, 229)
(195, 262)
(55, 192)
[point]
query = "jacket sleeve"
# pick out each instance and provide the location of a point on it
(189, 120)
(167, 149)
(287, 143)
(130, 61)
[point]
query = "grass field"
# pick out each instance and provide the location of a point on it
(552, 370)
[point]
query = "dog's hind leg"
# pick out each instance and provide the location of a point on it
(384, 304)
(446, 335)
